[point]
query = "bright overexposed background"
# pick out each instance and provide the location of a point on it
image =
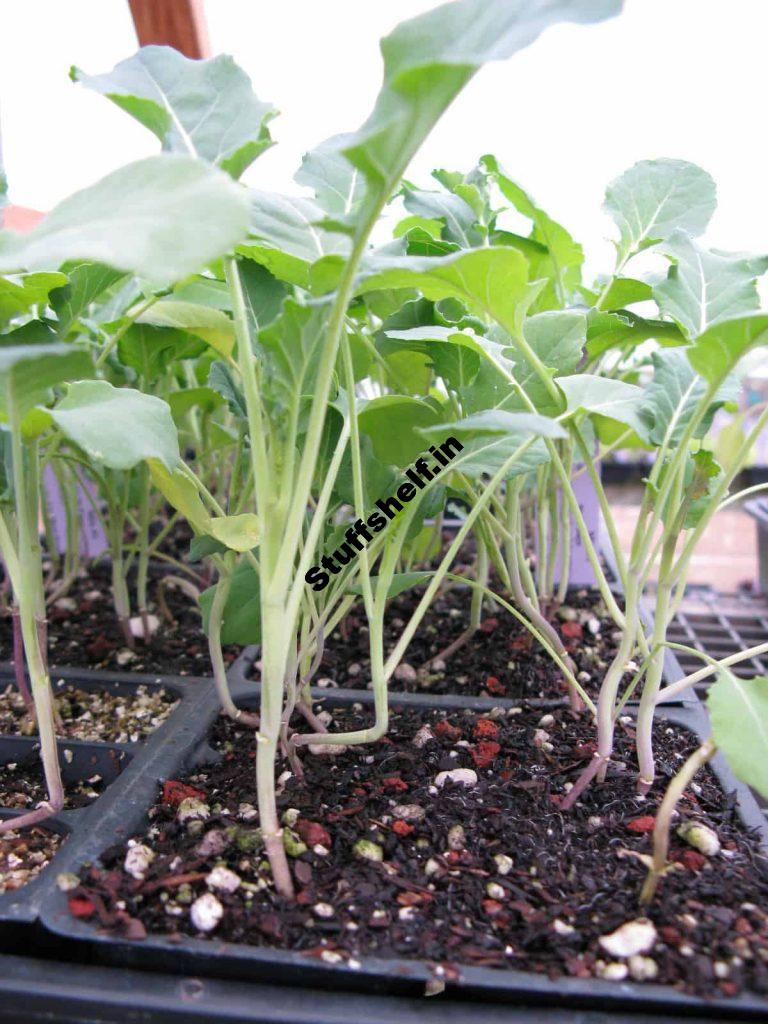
(682, 78)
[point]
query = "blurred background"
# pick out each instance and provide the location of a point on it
(677, 78)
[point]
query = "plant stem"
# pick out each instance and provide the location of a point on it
(661, 829)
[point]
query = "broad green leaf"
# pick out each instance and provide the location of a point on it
(212, 325)
(264, 294)
(149, 350)
(338, 185)
(242, 612)
(181, 493)
(492, 281)
(702, 478)
(392, 422)
(401, 581)
(654, 198)
(564, 255)
(622, 292)
(717, 351)
(220, 379)
(738, 710)
(20, 293)
(670, 399)
(498, 421)
(603, 396)
(291, 349)
(484, 455)
(86, 282)
(240, 533)
(429, 59)
(206, 108)
(204, 291)
(457, 216)
(144, 218)
(287, 237)
(626, 330)
(117, 427)
(28, 372)
(203, 398)
(558, 339)
(704, 287)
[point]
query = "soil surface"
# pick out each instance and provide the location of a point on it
(100, 715)
(502, 659)
(390, 863)
(83, 632)
(22, 785)
(23, 855)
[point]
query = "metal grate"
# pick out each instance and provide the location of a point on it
(720, 625)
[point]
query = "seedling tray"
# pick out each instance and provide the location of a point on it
(80, 760)
(124, 812)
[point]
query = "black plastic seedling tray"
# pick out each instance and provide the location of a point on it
(124, 813)
(81, 760)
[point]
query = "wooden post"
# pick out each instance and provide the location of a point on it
(177, 23)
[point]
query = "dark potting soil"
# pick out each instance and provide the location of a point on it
(502, 659)
(494, 874)
(99, 715)
(22, 785)
(23, 855)
(83, 632)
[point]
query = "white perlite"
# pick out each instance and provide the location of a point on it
(459, 776)
(504, 863)
(700, 837)
(206, 912)
(633, 937)
(137, 860)
(192, 809)
(642, 968)
(223, 879)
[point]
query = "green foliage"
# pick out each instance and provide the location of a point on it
(143, 218)
(204, 108)
(738, 710)
(117, 427)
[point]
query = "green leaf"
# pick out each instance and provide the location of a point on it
(264, 294)
(429, 59)
(603, 396)
(705, 287)
(564, 256)
(212, 325)
(203, 546)
(626, 330)
(291, 349)
(654, 198)
(206, 108)
(220, 379)
(392, 422)
(717, 351)
(144, 218)
(338, 186)
(28, 372)
(21, 293)
(738, 710)
(286, 236)
(117, 427)
(670, 399)
(149, 350)
(180, 402)
(457, 216)
(491, 281)
(622, 292)
(498, 421)
(86, 283)
(181, 493)
(241, 621)
(401, 581)
(239, 533)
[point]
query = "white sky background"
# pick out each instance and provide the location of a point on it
(679, 78)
